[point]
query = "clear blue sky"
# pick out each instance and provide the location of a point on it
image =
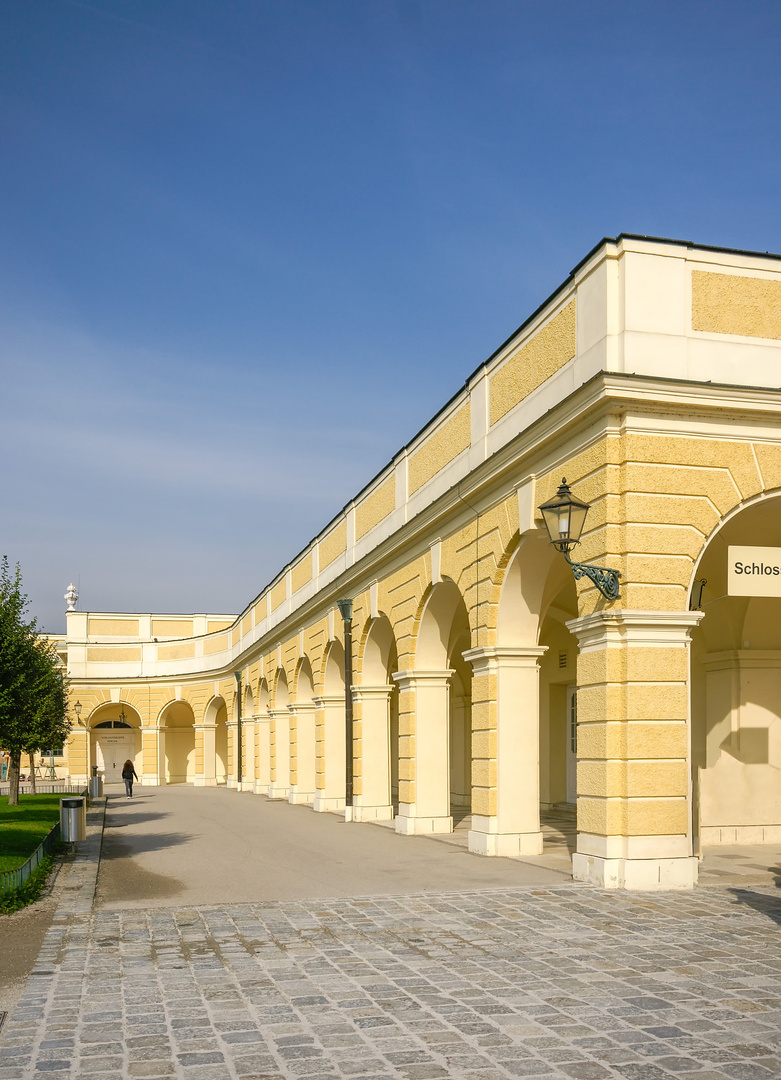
(247, 248)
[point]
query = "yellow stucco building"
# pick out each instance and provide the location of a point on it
(486, 679)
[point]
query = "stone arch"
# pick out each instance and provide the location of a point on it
(333, 668)
(248, 707)
(177, 733)
(735, 686)
(217, 714)
(443, 613)
(281, 695)
(115, 732)
(304, 689)
(534, 572)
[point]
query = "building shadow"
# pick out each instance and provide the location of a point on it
(767, 904)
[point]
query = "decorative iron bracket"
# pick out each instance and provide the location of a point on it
(605, 579)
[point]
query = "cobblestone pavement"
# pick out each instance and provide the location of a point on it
(564, 982)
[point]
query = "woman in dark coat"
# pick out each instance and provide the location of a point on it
(129, 775)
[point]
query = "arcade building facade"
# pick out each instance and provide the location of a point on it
(487, 679)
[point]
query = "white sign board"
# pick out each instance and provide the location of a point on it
(754, 571)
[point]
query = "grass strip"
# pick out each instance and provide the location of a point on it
(23, 827)
(30, 891)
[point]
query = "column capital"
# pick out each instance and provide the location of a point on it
(634, 627)
(408, 679)
(489, 657)
(204, 727)
(322, 700)
(301, 707)
(362, 691)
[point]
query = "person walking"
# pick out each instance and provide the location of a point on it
(129, 775)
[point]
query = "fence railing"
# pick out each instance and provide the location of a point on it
(10, 880)
(13, 879)
(45, 787)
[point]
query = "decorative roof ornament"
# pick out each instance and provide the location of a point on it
(71, 596)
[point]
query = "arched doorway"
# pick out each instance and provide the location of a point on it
(330, 733)
(736, 685)
(377, 749)
(115, 736)
(263, 771)
(279, 788)
(177, 731)
(520, 714)
(217, 715)
(302, 737)
(247, 760)
(425, 802)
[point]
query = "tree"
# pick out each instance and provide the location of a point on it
(33, 688)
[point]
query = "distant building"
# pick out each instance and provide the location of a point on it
(487, 680)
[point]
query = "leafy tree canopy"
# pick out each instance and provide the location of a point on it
(33, 688)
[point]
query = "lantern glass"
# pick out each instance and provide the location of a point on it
(564, 518)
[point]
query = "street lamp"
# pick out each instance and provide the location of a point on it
(122, 717)
(346, 611)
(564, 518)
(77, 710)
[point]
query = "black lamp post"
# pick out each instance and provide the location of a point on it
(346, 611)
(564, 518)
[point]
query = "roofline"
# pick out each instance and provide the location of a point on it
(688, 244)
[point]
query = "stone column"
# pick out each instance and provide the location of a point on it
(506, 750)
(634, 768)
(303, 724)
(263, 775)
(248, 754)
(208, 777)
(330, 750)
(424, 731)
(279, 788)
(372, 746)
(153, 748)
(233, 742)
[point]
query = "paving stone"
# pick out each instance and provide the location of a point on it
(567, 983)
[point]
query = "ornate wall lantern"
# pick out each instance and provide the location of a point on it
(564, 518)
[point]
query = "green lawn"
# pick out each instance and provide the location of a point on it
(23, 827)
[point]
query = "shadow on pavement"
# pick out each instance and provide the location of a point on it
(765, 903)
(114, 848)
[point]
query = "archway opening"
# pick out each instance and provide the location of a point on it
(177, 719)
(280, 739)
(302, 737)
(537, 598)
(115, 736)
(444, 635)
(736, 686)
(379, 696)
(216, 713)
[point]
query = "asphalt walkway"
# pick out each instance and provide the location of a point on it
(178, 845)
